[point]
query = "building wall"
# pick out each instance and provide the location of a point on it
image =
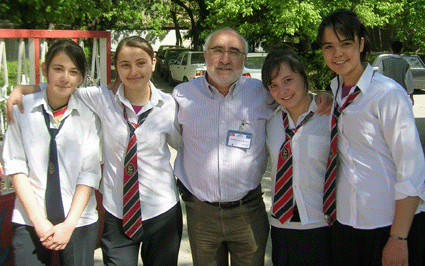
(169, 38)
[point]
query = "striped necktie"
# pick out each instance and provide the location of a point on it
(329, 203)
(132, 215)
(283, 206)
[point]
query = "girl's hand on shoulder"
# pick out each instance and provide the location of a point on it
(114, 86)
(15, 97)
(324, 102)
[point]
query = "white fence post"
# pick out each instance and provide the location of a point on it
(43, 51)
(21, 78)
(103, 62)
(3, 64)
(31, 60)
(3, 90)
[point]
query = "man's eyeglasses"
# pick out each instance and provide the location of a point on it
(218, 52)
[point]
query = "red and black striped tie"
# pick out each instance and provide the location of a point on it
(329, 203)
(132, 215)
(283, 203)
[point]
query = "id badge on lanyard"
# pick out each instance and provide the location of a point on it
(239, 139)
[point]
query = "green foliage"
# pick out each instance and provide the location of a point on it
(410, 24)
(262, 22)
(12, 71)
(39, 14)
(127, 15)
(319, 74)
(271, 22)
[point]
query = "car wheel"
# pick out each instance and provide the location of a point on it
(185, 79)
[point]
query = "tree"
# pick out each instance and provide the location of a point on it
(157, 15)
(272, 22)
(64, 14)
(409, 25)
(164, 14)
(265, 22)
(197, 12)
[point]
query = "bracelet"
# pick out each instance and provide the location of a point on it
(398, 238)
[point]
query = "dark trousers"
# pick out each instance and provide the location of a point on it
(160, 240)
(356, 247)
(301, 247)
(79, 251)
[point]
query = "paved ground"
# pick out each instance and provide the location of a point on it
(184, 255)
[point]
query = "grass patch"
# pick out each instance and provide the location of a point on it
(12, 72)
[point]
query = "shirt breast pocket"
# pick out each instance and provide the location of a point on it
(318, 147)
(256, 127)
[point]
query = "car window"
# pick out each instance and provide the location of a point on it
(173, 54)
(414, 61)
(377, 61)
(184, 61)
(161, 53)
(255, 62)
(198, 58)
(179, 60)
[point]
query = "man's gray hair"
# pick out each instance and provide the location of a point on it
(245, 43)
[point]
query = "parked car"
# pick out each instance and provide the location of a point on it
(253, 65)
(189, 65)
(162, 48)
(161, 53)
(170, 56)
(417, 67)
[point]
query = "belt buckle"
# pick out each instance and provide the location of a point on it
(230, 205)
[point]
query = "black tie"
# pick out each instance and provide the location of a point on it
(54, 206)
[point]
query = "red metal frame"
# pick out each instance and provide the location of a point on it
(53, 34)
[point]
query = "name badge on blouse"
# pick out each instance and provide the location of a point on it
(239, 139)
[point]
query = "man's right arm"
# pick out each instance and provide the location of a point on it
(15, 97)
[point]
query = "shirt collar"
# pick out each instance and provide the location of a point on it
(362, 83)
(366, 79)
(155, 100)
(233, 90)
(311, 108)
(41, 102)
